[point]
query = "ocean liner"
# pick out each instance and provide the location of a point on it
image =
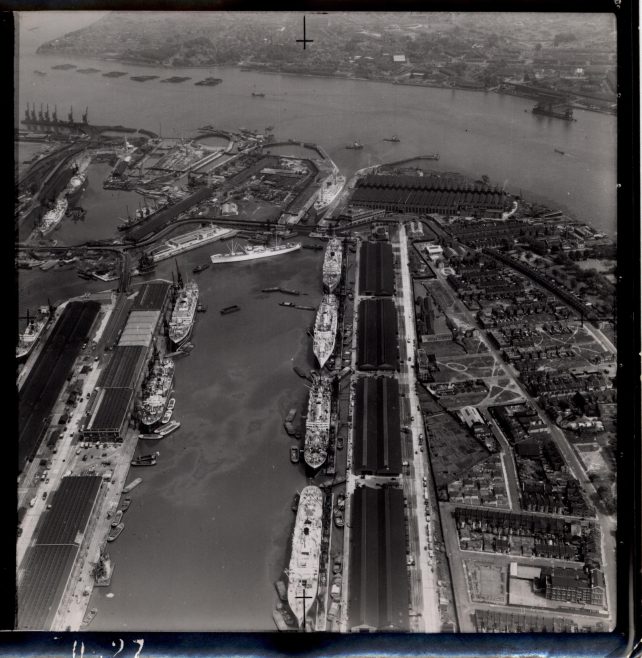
(156, 392)
(29, 337)
(78, 181)
(249, 252)
(182, 320)
(317, 424)
(329, 192)
(325, 329)
(332, 264)
(303, 571)
(52, 217)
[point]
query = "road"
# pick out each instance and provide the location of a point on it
(430, 612)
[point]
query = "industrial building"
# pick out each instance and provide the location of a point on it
(49, 560)
(377, 438)
(49, 374)
(140, 328)
(377, 344)
(109, 415)
(152, 296)
(572, 585)
(378, 593)
(376, 276)
(426, 194)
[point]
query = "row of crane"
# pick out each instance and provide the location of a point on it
(44, 117)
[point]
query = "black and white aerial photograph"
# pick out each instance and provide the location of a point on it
(316, 321)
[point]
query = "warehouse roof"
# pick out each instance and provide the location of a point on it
(378, 593)
(48, 375)
(124, 367)
(110, 410)
(140, 328)
(376, 275)
(377, 347)
(377, 435)
(151, 296)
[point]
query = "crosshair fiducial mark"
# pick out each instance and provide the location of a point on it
(304, 40)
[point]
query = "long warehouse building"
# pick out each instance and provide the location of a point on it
(378, 595)
(376, 276)
(426, 194)
(377, 342)
(377, 439)
(47, 565)
(48, 375)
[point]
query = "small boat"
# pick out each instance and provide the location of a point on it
(290, 304)
(295, 502)
(167, 416)
(294, 455)
(281, 590)
(148, 437)
(89, 617)
(200, 268)
(355, 145)
(272, 289)
(394, 138)
(201, 308)
(132, 485)
(114, 533)
(291, 414)
(171, 404)
(289, 291)
(126, 503)
(167, 429)
(338, 518)
(258, 95)
(559, 151)
(230, 309)
(143, 462)
(316, 247)
(117, 519)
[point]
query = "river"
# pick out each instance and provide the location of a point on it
(207, 531)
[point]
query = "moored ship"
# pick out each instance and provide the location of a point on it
(325, 329)
(317, 424)
(332, 264)
(182, 320)
(186, 241)
(29, 337)
(303, 570)
(78, 181)
(52, 217)
(156, 391)
(239, 253)
(329, 192)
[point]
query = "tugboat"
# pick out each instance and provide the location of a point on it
(200, 268)
(355, 145)
(89, 617)
(294, 455)
(559, 151)
(258, 95)
(394, 138)
(230, 309)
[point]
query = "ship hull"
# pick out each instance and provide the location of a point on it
(178, 338)
(237, 258)
(303, 571)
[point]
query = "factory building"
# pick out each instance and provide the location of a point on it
(376, 276)
(377, 343)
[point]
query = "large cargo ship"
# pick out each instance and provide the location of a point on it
(52, 217)
(156, 392)
(329, 192)
(303, 570)
(325, 329)
(332, 264)
(186, 241)
(182, 320)
(29, 337)
(548, 110)
(317, 424)
(239, 252)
